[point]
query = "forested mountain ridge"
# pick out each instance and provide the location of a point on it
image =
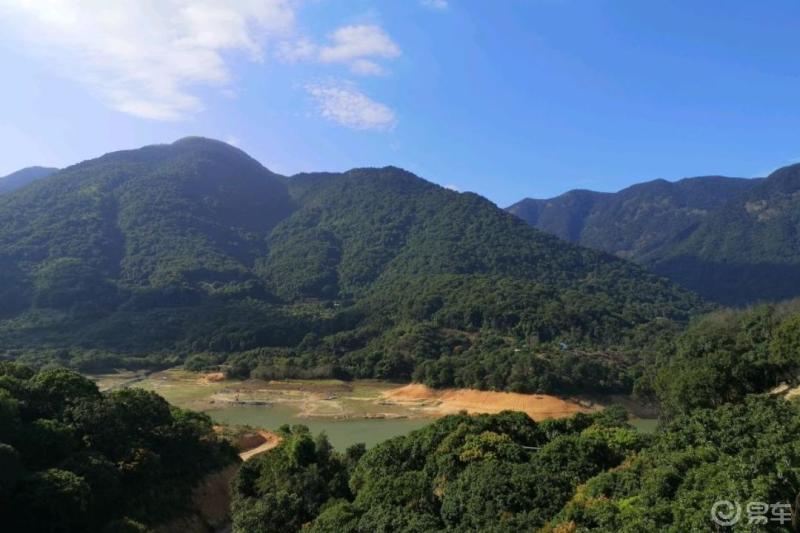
(21, 178)
(749, 249)
(196, 248)
(635, 220)
(381, 224)
(731, 240)
(162, 217)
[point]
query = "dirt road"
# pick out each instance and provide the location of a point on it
(271, 440)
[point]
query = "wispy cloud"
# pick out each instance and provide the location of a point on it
(354, 42)
(345, 104)
(147, 57)
(441, 5)
(150, 58)
(357, 46)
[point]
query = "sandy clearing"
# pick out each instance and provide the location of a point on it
(449, 401)
(212, 377)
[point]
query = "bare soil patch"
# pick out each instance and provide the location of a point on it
(213, 377)
(449, 401)
(269, 440)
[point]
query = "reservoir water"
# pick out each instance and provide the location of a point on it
(341, 433)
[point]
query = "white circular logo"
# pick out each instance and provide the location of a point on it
(726, 513)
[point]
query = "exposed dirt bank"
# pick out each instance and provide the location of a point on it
(209, 510)
(448, 401)
(269, 440)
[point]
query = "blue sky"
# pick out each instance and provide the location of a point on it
(505, 98)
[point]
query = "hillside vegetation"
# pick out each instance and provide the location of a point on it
(724, 436)
(499, 472)
(195, 249)
(73, 459)
(731, 240)
(507, 473)
(725, 356)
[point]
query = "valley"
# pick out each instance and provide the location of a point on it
(421, 266)
(361, 411)
(363, 350)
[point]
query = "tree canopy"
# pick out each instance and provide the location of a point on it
(74, 459)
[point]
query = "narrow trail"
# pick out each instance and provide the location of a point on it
(271, 440)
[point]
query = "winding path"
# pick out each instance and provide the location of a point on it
(271, 440)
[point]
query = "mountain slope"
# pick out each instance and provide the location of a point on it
(384, 226)
(195, 247)
(731, 240)
(434, 273)
(182, 214)
(21, 178)
(747, 250)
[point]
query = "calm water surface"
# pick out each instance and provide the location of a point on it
(341, 433)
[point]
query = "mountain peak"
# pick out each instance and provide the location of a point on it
(197, 141)
(789, 173)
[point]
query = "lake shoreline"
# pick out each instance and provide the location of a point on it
(349, 411)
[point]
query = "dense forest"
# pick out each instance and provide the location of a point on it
(731, 240)
(725, 356)
(507, 473)
(727, 434)
(74, 459)
(195, 252)
(740, 453)
(462, 473)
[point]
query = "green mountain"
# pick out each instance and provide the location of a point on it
(160, 219)
(20, 178)
(728, 239)
(748, 250)
(196, 248)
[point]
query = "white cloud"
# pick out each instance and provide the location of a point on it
(452, 187)
(145, 57)
(356, 46)
(346, 105)
(435, 4)
(354, 42)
